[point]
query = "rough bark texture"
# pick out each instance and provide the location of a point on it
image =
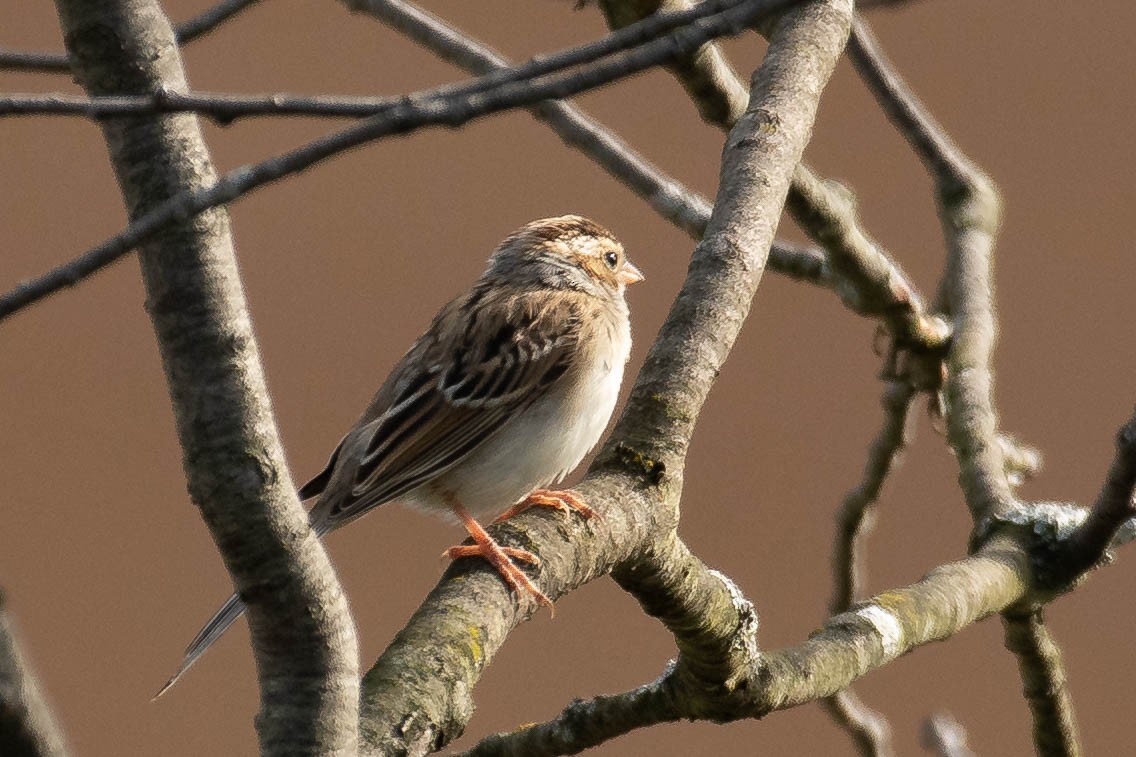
(302, 633)
(417, 696)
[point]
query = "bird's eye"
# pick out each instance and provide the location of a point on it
(611, 259)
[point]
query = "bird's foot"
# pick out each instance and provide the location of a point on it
(564, 500)
(500, 557)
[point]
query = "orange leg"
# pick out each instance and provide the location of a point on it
(501, 558)
(565, 500)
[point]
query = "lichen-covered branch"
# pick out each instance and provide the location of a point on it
(1044, 684)
(891, 624)
(27, 726)
(845, 647)
(234, 463)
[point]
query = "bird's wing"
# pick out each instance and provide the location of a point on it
(480, 364)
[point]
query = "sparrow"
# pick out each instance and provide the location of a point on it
(504, 394)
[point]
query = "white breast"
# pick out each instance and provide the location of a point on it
(545, 442)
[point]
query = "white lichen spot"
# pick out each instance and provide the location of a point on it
(887, 626)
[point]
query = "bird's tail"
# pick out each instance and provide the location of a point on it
(217, 625)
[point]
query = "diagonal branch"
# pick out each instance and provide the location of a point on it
(847, 646)
(430, 108)
(27, 725)
(307, 661)
(418, 694)
(856, 513)
(1115, 506)
(871, 282)
(868, 728)
(186, 32)
(669, 198)
(683, 207)
(585, 723)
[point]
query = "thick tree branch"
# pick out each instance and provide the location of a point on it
(302, 633)
(27, 726)
(186, 32)
(637, 477)
(845, 647)
(450, 106)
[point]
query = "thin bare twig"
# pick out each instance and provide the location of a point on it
(1044, 684)
(869, 281)
(223, 107)
(869, 729)
(209, 19)
(669, 198)
(198, 26)
(415, 111)
(855, 515)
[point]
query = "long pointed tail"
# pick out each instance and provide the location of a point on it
(217, 625)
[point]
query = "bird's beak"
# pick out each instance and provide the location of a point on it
(630, 274)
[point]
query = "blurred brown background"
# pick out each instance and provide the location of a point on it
(110, 571)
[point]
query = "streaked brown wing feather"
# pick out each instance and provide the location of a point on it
(484, 362)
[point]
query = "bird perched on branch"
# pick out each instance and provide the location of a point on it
(508, 389)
